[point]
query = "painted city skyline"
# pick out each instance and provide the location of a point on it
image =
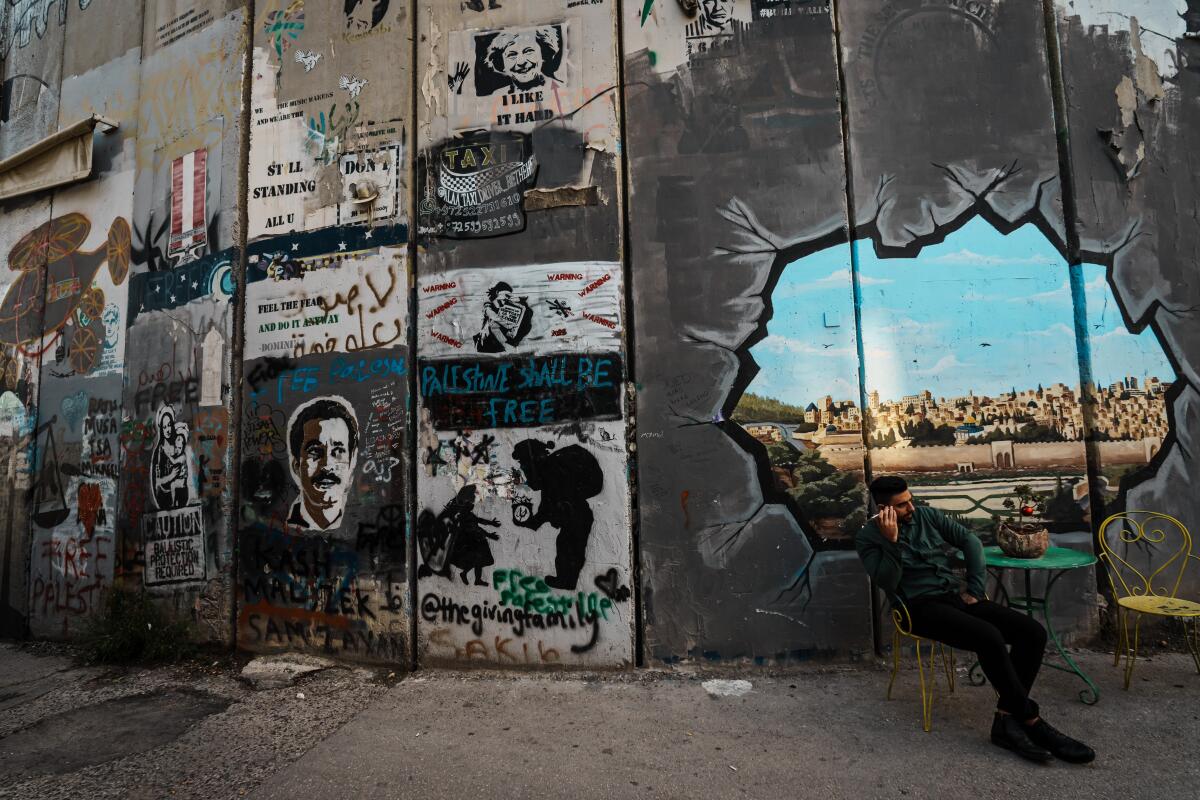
(980, 313)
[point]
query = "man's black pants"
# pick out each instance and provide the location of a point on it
(986, 628)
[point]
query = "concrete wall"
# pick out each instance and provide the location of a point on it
(69, 307)
(755, 101)
(438, 332)
(1132, 149)
(522, 524)
(176, 487)
(325, 467)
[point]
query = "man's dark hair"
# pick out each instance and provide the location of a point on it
(321, 409)
(885, 487)
(495, 291)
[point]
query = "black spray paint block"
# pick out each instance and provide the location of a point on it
(521, 392)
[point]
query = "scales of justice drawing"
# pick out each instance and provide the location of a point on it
(49, 500)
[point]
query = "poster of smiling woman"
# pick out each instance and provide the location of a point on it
(510, 76)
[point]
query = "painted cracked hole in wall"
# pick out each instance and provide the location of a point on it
(972, 384)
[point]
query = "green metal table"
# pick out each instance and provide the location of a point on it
(1058, 561)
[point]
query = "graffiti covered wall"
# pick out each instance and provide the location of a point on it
(176, 494)
(63, 343)
(324, 471)
(569, 333)
(18, 413)
(522, 525)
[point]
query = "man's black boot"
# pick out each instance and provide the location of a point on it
(1062, 746)
(1012, 735)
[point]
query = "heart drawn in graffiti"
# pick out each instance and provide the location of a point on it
(610, 584)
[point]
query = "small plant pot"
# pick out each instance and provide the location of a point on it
(1023, 540)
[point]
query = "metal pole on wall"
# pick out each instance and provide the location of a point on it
(856, 285)
(1075, 278)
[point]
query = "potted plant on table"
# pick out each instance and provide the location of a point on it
(1018, 534)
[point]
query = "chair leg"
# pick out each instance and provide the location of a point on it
(1131, 653)
(895, 662)
(1193, 641)
(1121, 638)
(926, 691)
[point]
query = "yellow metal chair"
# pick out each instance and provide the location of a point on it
(902, 629)
(1140, 593)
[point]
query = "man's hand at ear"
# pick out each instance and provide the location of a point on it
(888, 525)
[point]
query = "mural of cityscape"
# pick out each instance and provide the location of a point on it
(972, 384)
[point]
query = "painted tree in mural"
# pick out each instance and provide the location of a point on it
(56, 280)
(831, 499)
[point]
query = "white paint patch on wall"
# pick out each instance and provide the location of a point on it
(496, 580)
(547, 308)
(330, 303)
(283, 170)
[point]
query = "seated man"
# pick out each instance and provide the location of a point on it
(903, 550)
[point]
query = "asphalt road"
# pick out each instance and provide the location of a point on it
(822, 732)
(826, 734)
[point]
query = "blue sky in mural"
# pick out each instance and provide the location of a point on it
(979, 312)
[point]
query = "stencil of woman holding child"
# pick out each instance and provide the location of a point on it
(170, 462)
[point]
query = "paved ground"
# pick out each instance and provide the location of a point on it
(814, 732)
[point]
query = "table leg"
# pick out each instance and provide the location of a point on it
(1089, 695)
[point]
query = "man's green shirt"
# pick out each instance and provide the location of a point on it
(917, 563)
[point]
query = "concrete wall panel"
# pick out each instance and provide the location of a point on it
(523, 495)
(176, 493)
(31, 47)
(324, 469)
(325, 464)
(736, 181)
(23, 308)
(1129, 72)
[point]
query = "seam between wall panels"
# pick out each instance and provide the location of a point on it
(856, 285)
(410, 544)
(631, 396)
(1066, 172)
(238, 301)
